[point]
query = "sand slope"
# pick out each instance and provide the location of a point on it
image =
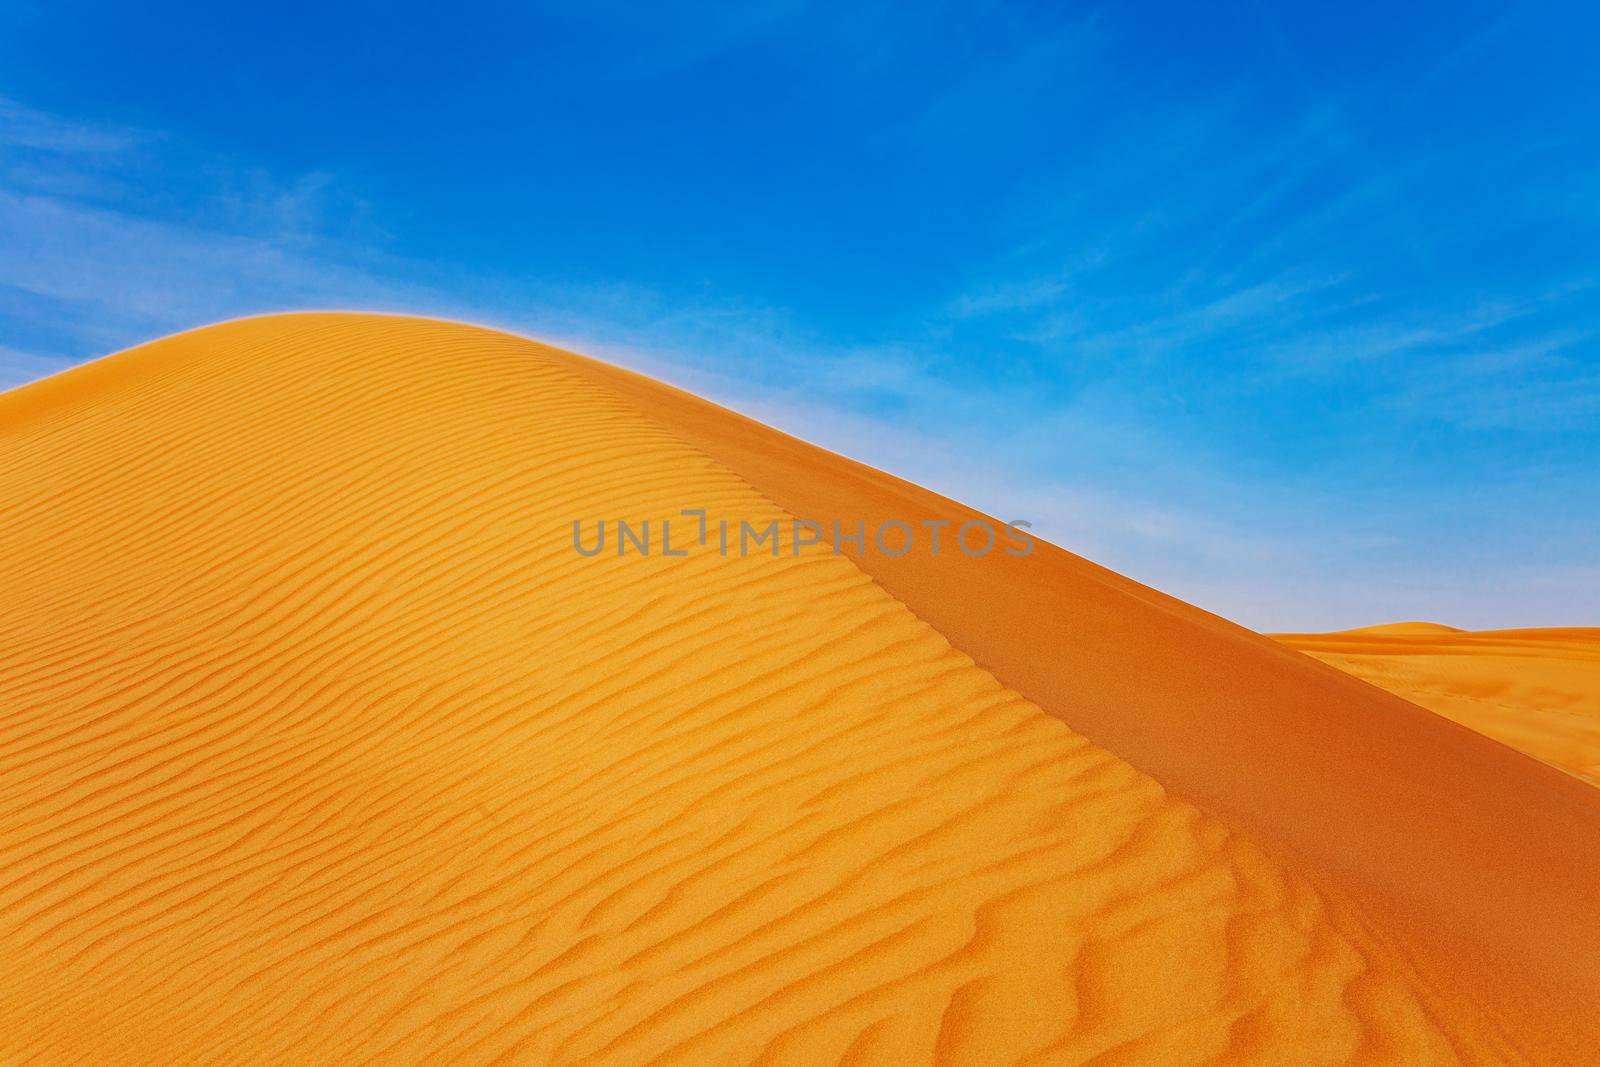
(1485, 863)
(318, 743)
(1535, 690)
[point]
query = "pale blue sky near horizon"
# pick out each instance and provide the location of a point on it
(1292, 311)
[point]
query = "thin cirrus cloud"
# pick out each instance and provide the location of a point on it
(94, 260)
(1259, 337)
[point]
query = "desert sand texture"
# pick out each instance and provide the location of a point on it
(319, 743)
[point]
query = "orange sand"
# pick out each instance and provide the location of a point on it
(1535, 690)
(319, 744)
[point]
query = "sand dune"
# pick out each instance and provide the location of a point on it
(1405, 629)
(1535, 690)
(320, 744)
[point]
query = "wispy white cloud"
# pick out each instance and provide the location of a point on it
(24, 366)
(1550, 386)
(1248, 267)
(28, 128)
(95, 258)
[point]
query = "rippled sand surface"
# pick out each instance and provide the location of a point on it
(320, 744)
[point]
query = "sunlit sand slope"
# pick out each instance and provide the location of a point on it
(1535, 690)
(320, 744)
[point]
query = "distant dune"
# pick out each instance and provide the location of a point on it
(1535, 690)
(319, 743)
(1404, 629)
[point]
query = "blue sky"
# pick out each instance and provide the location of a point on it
(1290, 310)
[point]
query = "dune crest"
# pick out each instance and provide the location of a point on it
(319, 743)
(1535, 690)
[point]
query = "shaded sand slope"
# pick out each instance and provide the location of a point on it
(1535, 690)
(318, 743)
